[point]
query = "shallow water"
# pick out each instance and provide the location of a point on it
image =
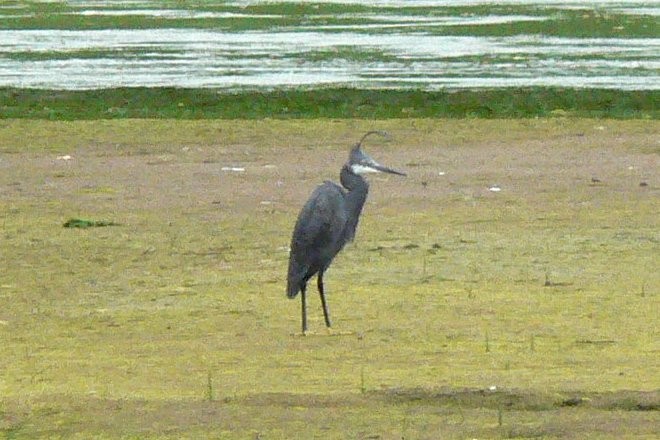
(385, 48)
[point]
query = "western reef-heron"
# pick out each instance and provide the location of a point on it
(327, 222)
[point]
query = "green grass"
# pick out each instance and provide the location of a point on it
(347, 53)
(81, 54)
(586, 22)
(174, 324)
(175, 103)
(576, 24)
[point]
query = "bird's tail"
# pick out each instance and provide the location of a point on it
(292, 288)
(295, 276)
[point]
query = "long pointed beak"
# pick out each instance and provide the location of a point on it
(384, 169)
(368, 165)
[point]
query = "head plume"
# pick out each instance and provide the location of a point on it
(384, 134)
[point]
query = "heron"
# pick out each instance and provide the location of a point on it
(327, 222)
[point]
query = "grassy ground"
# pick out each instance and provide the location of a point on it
(459, 312)
(178, 103)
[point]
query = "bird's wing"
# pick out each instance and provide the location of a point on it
(317, 236)
(322, 219)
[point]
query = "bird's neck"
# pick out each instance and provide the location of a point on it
(354, 183)
(357, 190)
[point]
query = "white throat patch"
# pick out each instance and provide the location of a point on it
(362, 169)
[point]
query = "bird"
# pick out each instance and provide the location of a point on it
(328, 221)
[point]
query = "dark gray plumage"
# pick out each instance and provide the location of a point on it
(327, 222)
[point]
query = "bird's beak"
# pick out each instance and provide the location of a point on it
(368, 165)
(381, 168)
(384, 169)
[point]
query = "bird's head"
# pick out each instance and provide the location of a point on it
(359, 162)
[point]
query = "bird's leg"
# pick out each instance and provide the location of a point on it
(326, 313)
(303, 287)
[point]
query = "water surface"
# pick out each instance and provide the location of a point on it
(391, 45)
